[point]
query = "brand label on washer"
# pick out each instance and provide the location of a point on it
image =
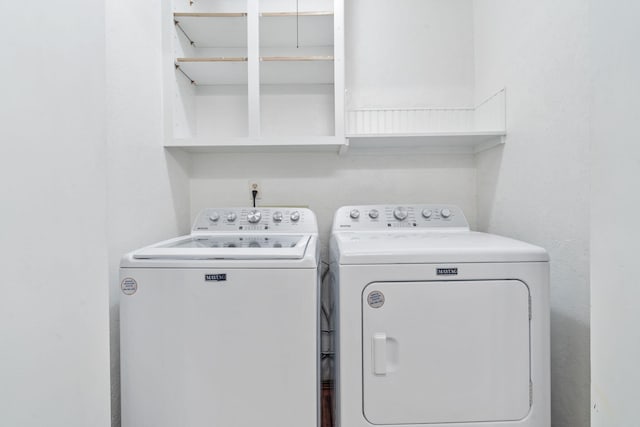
(375, 299)
(447, 271)
(129, 286)
(215, 277)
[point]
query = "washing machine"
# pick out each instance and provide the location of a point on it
(220, 327)
(437, 325)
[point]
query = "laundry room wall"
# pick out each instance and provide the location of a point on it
(326, 181)
(409, 53)
(54, 319)
(536, 187)
(615, 203)
(148, 187)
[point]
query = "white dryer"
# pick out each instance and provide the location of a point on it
(220, 327)
(437, 325)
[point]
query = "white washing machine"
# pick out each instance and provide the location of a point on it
(220, 327)
(437, 325)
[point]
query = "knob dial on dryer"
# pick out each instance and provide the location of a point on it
(355, 213)
(373, 213)
(400, 213)
(295, 216)
(231, 216)
(427, 213)
(214, 217)
(254, 216)
(277, 216)
(445, 213)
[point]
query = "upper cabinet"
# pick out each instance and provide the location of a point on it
(256, 73)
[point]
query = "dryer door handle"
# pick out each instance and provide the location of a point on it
(379, 342)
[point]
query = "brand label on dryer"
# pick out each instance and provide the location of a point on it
(375, 299)
(447, 271)
(215, 277)
(129, 286)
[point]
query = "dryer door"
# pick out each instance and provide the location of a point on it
(445, 352)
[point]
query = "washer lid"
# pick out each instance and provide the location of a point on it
(407, 247)
(241, 247)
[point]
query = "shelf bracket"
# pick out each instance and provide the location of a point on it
(344, 147)
(177, 24)
(193, 82)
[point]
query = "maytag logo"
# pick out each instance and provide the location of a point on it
(447, 271)
(215, 277)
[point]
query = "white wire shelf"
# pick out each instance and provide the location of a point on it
(481, 126)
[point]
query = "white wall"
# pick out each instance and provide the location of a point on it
(409, 53)
(326, 181)
(536, 188)
(148, 189)
(615, 203)
(54, 325)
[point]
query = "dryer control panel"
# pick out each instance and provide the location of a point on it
(252, 220)
(385, 217)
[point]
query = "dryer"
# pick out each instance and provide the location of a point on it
(437, 325)
(220, 327)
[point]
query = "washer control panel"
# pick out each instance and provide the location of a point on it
(252, 220)
(384, 217)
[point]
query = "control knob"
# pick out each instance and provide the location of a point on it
(214, 217)
(427, 213)
(295, 216)
(445, 213)
(277, 216)
(400, 213)
(254, 216)
(231, 216)
(355, 214)
(373, 214)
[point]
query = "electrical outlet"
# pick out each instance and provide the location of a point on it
(255, 185)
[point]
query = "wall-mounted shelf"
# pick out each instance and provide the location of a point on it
(295, 58)
(275, 70)
(177, 15)
(287, 144)
(466, 129)
(440, 142)
(294, 14)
